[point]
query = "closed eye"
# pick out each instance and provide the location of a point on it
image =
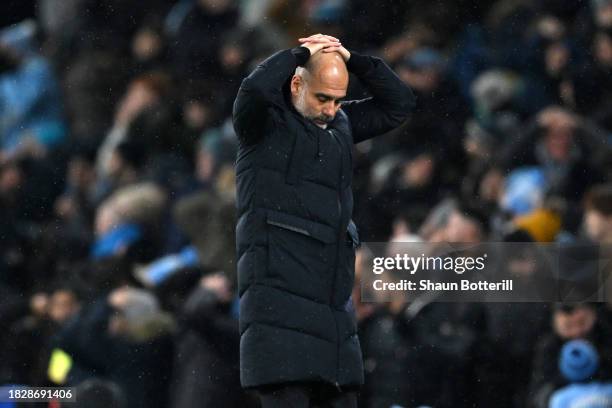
(324, 98)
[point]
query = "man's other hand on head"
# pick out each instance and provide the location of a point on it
(324, 43)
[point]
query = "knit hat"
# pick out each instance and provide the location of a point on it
(578, 360)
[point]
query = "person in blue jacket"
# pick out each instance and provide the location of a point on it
(578, 363)
(31, 116)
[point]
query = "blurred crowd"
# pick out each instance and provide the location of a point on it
(117, 272)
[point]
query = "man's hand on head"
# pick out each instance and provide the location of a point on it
(319, 38)
(346, 55)
(325, 43)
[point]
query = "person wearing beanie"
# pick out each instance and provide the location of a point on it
(570, 322)
(578, 363)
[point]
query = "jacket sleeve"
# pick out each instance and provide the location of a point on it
(389, 105)
(261, 90)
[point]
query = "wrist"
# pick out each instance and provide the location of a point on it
(358, 64)
(301, 54)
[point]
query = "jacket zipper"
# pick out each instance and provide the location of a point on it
(338, 251)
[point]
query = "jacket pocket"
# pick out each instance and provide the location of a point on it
(301, 255)
(302, 226)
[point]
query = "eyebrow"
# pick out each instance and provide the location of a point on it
(329, 97)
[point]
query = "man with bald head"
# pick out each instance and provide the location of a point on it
(319, 86)
(294, 236)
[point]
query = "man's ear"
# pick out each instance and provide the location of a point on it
(296, 84)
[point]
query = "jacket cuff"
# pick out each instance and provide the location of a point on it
(301, 54)
(359, 64)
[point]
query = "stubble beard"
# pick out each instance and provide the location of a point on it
(300, 106)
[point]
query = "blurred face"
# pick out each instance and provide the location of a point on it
(220, 285)
(598, 227)
(557, 57)
(317, 96)
(419, 171)
(197, 115)
(138, 98)
(476, 148)
(574, 325)
(603, 15)
(232, 57)
(462, 229)
(551, 27)
(10, 179)
(559, 142)
(146, 45)
(62, 306)
(603, 50)
(205, 165)
(522, 266)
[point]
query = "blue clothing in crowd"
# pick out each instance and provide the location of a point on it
(30, 105)
(591, 395)
(114, 241)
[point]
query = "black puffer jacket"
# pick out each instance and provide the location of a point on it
(295, 263)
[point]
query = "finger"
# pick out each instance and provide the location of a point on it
(312, 37)
(332, 49)
(318, 40)
(331, 38)
(318, 36)
(325, 35)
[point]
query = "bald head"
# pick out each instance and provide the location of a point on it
(318, 88)
(328, 68)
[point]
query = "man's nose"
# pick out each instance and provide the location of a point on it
(329, 110)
